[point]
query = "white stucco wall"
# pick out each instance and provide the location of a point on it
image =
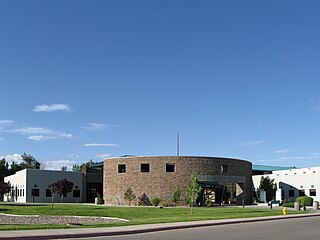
(18, 182)
(29, 179)
(294, 179)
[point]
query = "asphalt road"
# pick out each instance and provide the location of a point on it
(287, 229)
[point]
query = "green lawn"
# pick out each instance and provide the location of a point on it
(135, 215)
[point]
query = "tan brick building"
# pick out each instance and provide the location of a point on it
(223, 180)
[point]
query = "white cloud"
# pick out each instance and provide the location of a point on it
(283, 151)
(16, 157)
(51, 108)
(40, 133)
(73, 155)
(105, 155)
(293, 159)
(39, 137)
(100, 145)
(5, 123)
(64, 135)
(57, 164)
(92, 126)
(32, 130)
(249, 143)
(95, 126)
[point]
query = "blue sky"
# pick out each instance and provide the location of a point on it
(83, 80)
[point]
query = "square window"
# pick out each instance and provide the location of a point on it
(170, 167)
(48, 193)
(313, 192)
(145, 167)
(76, 193)
(301, 193)
(291, 193)
(224, 168)
(121, 168)
(35, 192)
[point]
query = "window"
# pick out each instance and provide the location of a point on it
(22, 192)
(48, 193)
(35, 192)
(121, 168)
(224, 168)
(313, 192)
(76, 193)
(301, 193)
(170, 167)
(145, 167)
(312, 186)
(291, 193)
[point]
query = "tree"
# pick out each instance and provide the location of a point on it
(269, 186)
(4, 188)
(29, 161)
(129, 195)
(4, 169)
(193, 190)
(176, 195)
(64, 168)
(76, 168)
(15, 167)
(61, 187)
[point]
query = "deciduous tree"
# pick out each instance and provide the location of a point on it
(193, 190)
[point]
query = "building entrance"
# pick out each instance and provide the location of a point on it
(218, 193)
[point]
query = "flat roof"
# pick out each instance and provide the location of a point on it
(268, 168)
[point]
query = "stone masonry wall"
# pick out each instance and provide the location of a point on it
(160, 183)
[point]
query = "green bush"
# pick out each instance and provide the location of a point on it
(99, 199)
(155, 201)
(288, 204)
(305, 201)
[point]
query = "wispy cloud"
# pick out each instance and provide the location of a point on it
(58, 164)
(100, 145)
(104, 155)
(249, 143)
(73, 155)
(92, 126)
(51, 108)
(32, 130)
(283, 151)
(5, 123)
(313, 156)
(40, 133)
(52, 136)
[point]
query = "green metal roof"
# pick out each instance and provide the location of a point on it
(268, 168)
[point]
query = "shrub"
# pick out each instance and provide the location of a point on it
(176, 195)
(155, 201)
(305, 201)
(208, 203)
(99, 199)
(144, 200)
(288, 204)
(129, 195)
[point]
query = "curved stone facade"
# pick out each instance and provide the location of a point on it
(223, 180)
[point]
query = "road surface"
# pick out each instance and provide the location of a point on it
(286, 229)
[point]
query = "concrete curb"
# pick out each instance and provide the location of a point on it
(98, 232)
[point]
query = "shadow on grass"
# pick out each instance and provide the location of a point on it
(20, 204)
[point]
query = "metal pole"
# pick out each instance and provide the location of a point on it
(178, 145)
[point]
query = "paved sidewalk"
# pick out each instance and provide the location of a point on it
(112, 231)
